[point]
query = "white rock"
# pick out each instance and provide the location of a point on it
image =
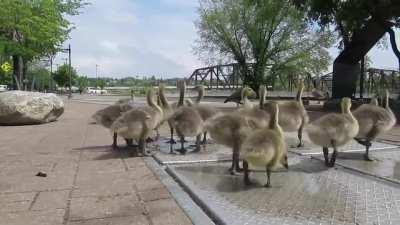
(22, 107)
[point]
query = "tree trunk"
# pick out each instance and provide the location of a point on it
(24, 73)
(17, 72)
(346, 65)
(395, 49)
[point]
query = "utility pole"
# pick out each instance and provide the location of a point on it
(51, 74)
(97, 78)
(69, 69)
(70, 72)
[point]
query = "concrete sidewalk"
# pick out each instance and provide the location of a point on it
(86, 183)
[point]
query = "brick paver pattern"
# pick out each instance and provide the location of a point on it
(86, 183)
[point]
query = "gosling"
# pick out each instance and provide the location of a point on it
(265, 147)
(334, 130)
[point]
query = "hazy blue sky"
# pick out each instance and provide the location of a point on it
(147, 37)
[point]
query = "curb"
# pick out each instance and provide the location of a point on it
(184, 183)
(192, 210)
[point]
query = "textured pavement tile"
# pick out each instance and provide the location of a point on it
(48, 217)
(77, 158)
(101, 166)
(166, 212)
(135, 220)
(386, 163)
(28, 181)
(103, 184)
(154, 194)
(102, 207)
(15, 202)
(308, 193)
(149, 183)
(135, 163)
(51, 200)
(141, 173)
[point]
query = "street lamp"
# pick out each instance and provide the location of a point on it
(69, 69)
(97, 79)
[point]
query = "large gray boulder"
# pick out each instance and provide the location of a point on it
(22, 107)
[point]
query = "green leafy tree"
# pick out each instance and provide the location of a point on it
(82, 82)
(361, 24)
(101, 83)
(61, 76)
(38, 77)
(33, 29)
(261, 36)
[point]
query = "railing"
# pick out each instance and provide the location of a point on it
(225, 76)
(375, 79)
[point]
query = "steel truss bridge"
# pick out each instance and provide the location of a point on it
(228, 76)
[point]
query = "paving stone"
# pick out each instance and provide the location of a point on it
(136, 220)
(51, 200)
(165, 212)
(103, 207)
(28, 181)
(101, 166)
(103, 184)
(47, 217)
(154, 194)
(149, 183)
(135, 162)
(16, 202)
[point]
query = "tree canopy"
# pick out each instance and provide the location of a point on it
(61, 76)
(34, 29)
(361, 25)
(262, 36)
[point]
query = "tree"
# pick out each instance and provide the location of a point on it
(361, 24)
(260, 36)
(61, 76)
(38, 77)
(101, 83)
(82, 82)
(33, 29)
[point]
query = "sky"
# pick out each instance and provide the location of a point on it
(148, 37)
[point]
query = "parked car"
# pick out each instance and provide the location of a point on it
(96, 91)
(3, 88)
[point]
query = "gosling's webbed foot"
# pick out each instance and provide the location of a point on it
(239, 170)
(331, 163)
(147, 153)
(248, 182)
(171, 141)
(197, 149)
(114, 147)
(183, 151)
(231, 171)
(300, 145)
(363, 142)
(149, 140)
(267, 185)
(367, 158)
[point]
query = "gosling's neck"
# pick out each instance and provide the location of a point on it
(262, 97)
(181, 93)
(387, 101)
(163, 99)
(200, 95)
(299, 95)
(346, 110)
(150, 101)
(246, 102)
